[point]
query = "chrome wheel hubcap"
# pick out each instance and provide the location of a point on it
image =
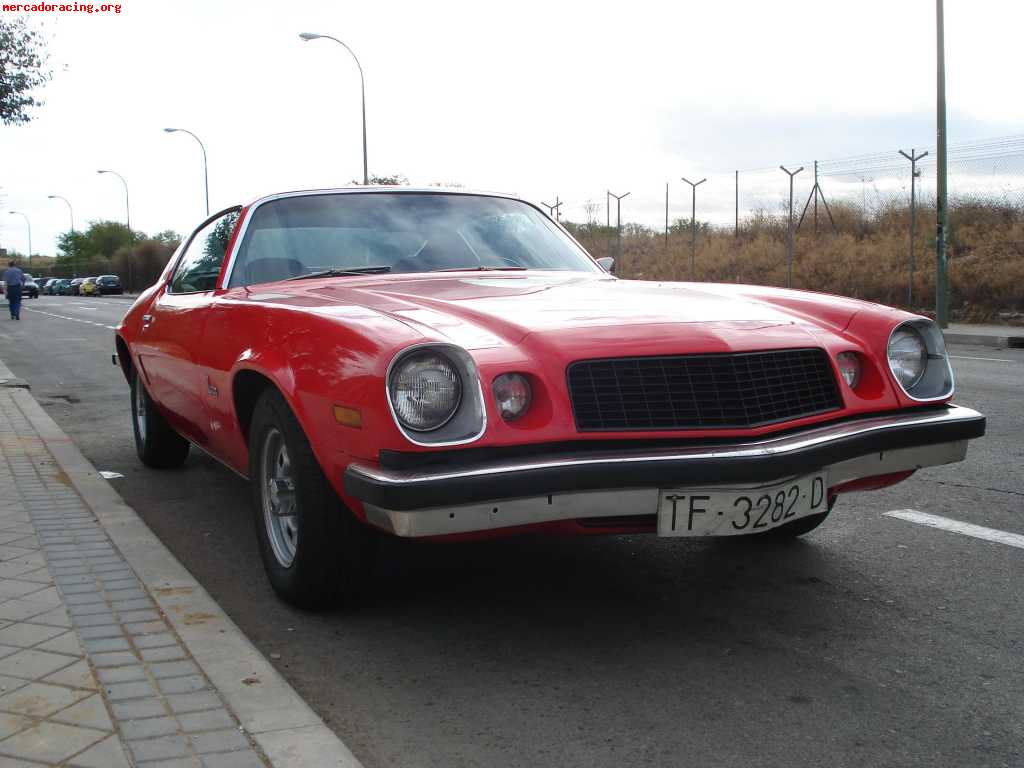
(140, 411)
(278, 494)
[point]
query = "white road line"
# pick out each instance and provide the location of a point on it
(955, 526)
(73, 319)
(987, 359)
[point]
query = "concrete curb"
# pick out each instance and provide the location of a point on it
(985, 339)
(288, 731)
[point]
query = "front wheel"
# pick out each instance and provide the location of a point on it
(315, 552)
(157, 444)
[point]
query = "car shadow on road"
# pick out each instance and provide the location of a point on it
(614, 584)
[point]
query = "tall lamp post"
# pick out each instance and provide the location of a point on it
(29, 225)
(941, 200)
(128, 223)
(71, 213)
(206, 175)
(307, 36)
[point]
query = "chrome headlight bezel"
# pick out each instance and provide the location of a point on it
(468, 419)
(442, 379)
(935, 382)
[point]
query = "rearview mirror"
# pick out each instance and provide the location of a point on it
(607, 263)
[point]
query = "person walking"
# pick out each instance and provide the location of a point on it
(14, 281)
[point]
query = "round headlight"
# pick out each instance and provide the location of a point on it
(908, 356)
(512, 394)
(849, 367)
(425, 390)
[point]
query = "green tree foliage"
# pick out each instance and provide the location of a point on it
(168, 237)
(101, 239)
(396, 180)
(22, 70)
(103, 249)
(219, 237)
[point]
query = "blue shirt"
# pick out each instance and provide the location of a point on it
(14, 276)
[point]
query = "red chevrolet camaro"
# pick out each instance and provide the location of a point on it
(449, 364)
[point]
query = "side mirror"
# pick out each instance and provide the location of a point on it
(607, 263)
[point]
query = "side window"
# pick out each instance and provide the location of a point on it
(200, 264)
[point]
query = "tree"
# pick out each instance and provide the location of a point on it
(168, 237)
(22, 70)
(397, 180)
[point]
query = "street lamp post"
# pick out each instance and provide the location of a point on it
(307, 36)
(29, 225)
(71, 213)
(941, 199)
(206, 175)
(128, 223)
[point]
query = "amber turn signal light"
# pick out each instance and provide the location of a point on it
(348, 417)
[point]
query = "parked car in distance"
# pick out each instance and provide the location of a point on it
(89, 287)
(59, 287)
(29, 289)
(50, 284)
(74, 286)
(436, 364)
(109, 285)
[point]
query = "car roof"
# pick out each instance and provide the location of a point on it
(379, 189)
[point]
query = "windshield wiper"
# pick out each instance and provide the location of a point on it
(379, 270)
(481, 269)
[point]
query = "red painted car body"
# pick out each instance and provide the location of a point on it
(329, 342)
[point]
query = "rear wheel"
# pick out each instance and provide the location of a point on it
(315, 552)
(157, 444)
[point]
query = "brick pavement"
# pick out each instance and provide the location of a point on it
(92, 675)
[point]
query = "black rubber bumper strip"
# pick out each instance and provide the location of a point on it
(457, 484)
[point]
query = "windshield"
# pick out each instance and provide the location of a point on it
(399, 232)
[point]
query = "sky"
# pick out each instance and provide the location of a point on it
(540, 99)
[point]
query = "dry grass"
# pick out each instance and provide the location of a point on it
(867, 259)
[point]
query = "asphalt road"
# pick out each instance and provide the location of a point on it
(871, 642)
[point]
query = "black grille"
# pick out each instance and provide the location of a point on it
(737, 390)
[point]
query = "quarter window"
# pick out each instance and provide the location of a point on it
(200, 265)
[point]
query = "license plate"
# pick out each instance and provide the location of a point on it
(733, 512)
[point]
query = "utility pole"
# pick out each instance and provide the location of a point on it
(789, 249)
(693, 224)
(553, 210)
(816, 191)
(666, 219)
(618, 222)
(913, 157)
(608, 222)
(736, 233)
(941, 278)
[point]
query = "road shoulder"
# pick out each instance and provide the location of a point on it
(153, 604)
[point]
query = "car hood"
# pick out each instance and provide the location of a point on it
(491, 309)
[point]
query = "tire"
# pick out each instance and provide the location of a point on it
(318, 556)
(158, 446)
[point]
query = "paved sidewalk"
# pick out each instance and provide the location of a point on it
(94, 672)
(1000, 336)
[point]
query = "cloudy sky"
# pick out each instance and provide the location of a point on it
(541, 99)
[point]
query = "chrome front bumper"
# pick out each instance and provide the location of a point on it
(465, 496)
